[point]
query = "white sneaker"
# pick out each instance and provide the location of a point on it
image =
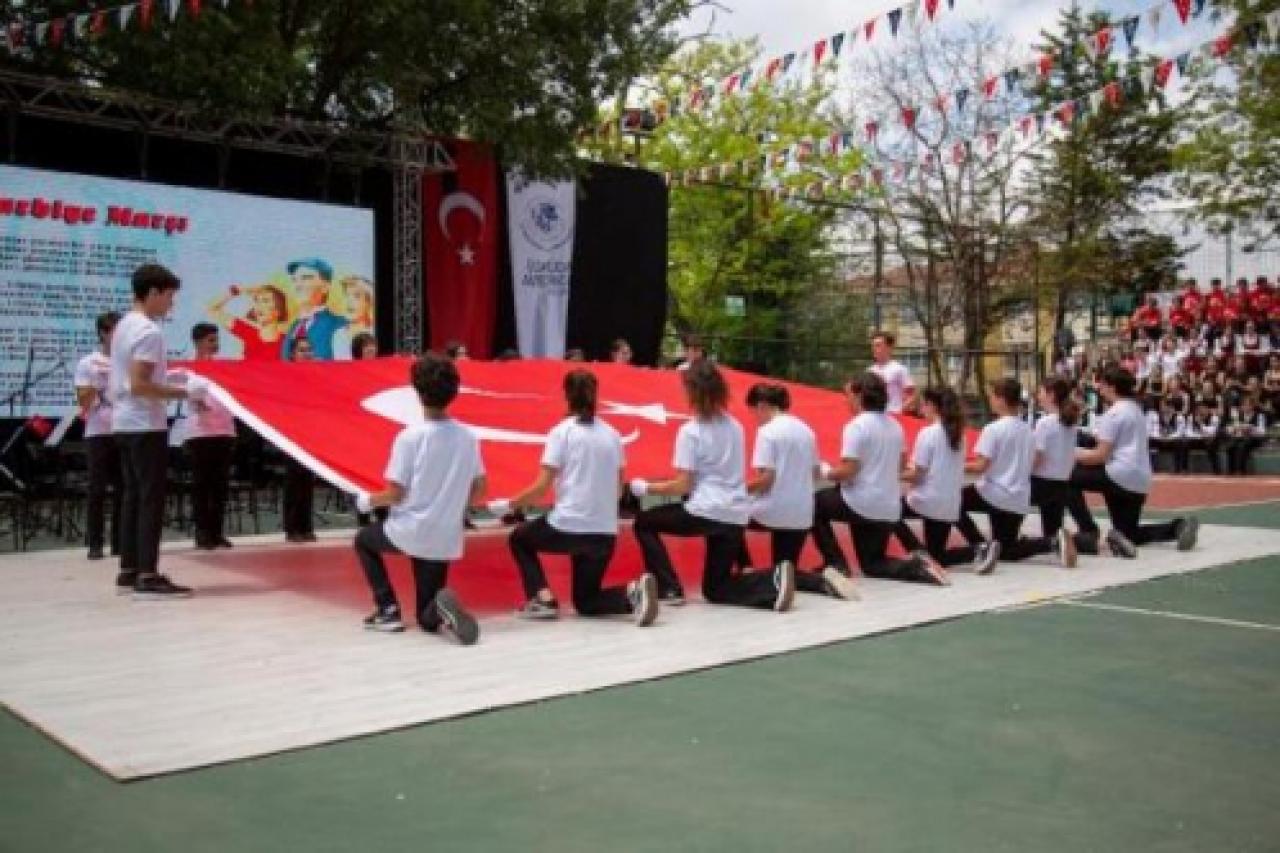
(643, 592)
(1065, 545)
(784, 578)
(930, 569)
(1188, 532)
(985, 558)
(838, 585)
(1120, 545)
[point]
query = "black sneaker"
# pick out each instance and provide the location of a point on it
(223, 542)
(643, 594)
(927, 570)
(158, 588)
(96, 554)
(455, 619)
(124, 582)
(672, 597)
(985, 557)
(1120, 545)
(388, 621)
(1188, 530)
(535, 609)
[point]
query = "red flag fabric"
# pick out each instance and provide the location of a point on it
(1163, 72)
(909, 118)
(819, 50)
(1102, 41)
(870, 28)
(931, 8)
(1045, 64)
(1223, 44)
(145, 9)
(462, 241)
(1184, 9)
(989, 86)
(339, 418)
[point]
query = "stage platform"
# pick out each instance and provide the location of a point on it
(270, 656)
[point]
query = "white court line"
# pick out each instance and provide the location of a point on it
(1168, 614)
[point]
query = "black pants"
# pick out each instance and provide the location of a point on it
(936, 534)
(719, 584)
(144, 456)
(1124, 506)
(1005, 529)
(870, 539)
(429, 576)
(299, 497)
(784, 545)
(104, 471)
(1239, 451)
(1211, 447)
(589, 555)
(210, 469)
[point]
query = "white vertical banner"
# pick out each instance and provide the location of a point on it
(541, 219)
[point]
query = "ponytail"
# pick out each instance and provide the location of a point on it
(580, 394)
(950, 414)
(1068, 406)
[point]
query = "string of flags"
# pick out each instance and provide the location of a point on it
(1025, 128)
(919, 13)
(81, 27)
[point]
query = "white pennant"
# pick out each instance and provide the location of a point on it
(81, 26)
(226, 4)
(1154, 17)
(1148, 77)
(1095, 101)
(913, 12)
(174, 6)
(40, 31)
(1273, 24)
(126, 12)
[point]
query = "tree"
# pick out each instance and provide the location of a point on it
(730, 236)
(1230, 164)
(1092, 181)
(950, 206)
(527, 74)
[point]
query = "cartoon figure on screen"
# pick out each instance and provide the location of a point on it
(263, 328)
(312, 279)
(358, 294)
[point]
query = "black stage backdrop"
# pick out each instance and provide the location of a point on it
(618, 288)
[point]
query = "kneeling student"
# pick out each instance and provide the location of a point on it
(583, 457)
(434, 474)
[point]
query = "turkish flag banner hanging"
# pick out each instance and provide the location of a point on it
(461, 236)
(339, 418)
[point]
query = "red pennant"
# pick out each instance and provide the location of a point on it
(1025, 124)
(56, 28)
(877, 177)
(1113, 93)
(194, 6)
(775, 65)
(98, 25)
(959, 153)
(940, 103)
(931, 8)
(1223, 44)
(1164, 71)
(989, 87)
(909, 118)
(992, 139)
(1184, 9)
(731, 84)
(1066, 112)
(819, 48)
(872, 129)
(869, 28)
(145, 10)
(1045, 64)
(1102, 41)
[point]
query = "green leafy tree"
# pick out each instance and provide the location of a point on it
(1230, 164)
(527, 74)
(1092, 182)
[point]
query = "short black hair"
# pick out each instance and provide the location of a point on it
(106, 322)
(149, 277)
(580, 394)
(1120, 379)
(452, 348)
(872, 393)
(435, 378)
(1009, 390)
(202, 330)
(887, 337)
(770, 394)
(359, 342)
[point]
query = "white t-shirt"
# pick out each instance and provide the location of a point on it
(588, 460)
(1124, 427)
(937, 496)
(1170, 363)
(436, 463)
(897, 380)
(1011, 448)
(137, 338)
(713, 452)
(787, 447)
(94, 371)
(208, 419)
(876, 441)
(1056, 444)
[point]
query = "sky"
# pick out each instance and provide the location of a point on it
(792, 25)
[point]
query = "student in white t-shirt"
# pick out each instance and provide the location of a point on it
(209, 435)
(897, 379)
(139, 393)
(92, 376)
(435, 472)
(784, 464)
(867, 495)
(583, 458)
(710, 459)
(935, 475)
(1003, 458)
(1119, 468)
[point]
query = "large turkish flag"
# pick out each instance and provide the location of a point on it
(339, 418)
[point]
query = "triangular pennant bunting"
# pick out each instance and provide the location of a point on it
(962, 95)
(870, 28)
(895, 18)
(909, 118)
(872, 129)
(1164, 71)
(1154, 17)
(1114, 93)
(837, 42)
(1183, 8)
(1184, 62)
(819, 48)
(989, 87)
(1222, 44)
(1148, 77)
(931, 8)
(1273, 24)
(1130, 27)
